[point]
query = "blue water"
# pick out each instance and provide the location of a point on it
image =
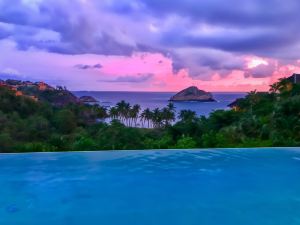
(196, 187)
(154, 100)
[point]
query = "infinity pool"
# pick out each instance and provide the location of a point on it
(190, 187)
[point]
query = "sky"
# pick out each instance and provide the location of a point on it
(150, 45)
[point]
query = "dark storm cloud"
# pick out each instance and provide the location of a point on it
(251, 42)
(97, 66)
(131, 79)
(13, 12)
(78, 32)
(230, 12)
(259, 26)
(87, 67)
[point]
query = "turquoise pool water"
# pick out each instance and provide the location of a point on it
(205, 187)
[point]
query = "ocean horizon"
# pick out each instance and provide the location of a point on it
(154, 100)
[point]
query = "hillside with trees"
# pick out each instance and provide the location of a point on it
(44, 124)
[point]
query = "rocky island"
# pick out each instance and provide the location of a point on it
(193, 94)
(88, 100)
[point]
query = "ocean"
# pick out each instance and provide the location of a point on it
(154, 100)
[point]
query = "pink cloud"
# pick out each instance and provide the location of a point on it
(147, 71)
(165, 80)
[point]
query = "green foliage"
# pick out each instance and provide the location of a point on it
(119, 137)
(65, 121)
(186, 143)
(209, 140)
(35, 147)
(261, 120)
(84, 143)
(9, 102)
(163, 142)
(6, 142)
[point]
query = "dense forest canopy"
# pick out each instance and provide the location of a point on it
(57, 122)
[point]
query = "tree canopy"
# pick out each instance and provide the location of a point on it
(260, 119)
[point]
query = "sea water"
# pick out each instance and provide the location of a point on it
(170, 187)
(154, 100)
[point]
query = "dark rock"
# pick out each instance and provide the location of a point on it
(88, 99)
(193, 94)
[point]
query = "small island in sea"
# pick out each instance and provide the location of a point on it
(193, 94)
(88, 100)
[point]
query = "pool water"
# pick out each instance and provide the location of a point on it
(176, 187)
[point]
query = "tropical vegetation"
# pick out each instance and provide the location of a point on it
(258, 120)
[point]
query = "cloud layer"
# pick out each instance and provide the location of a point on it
(204, 40)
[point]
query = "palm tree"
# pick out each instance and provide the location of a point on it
(101, 112)
(146, 115)
(274, 88)
(187, 116)
(143, 117)
(171, 107)
(253, 99)
(282, 86)
(123, 110)
(113, 113)
(169, 113)
(164, 115)
(135, 111)
(126, 113)
(157, 118)
(168, 116)
(120, 108)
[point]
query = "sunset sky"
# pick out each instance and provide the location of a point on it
(150, 45)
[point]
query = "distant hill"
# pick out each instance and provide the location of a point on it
(40, 91)
(193, 94)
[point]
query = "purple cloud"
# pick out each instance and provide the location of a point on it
(87, 67)
(131, 79)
